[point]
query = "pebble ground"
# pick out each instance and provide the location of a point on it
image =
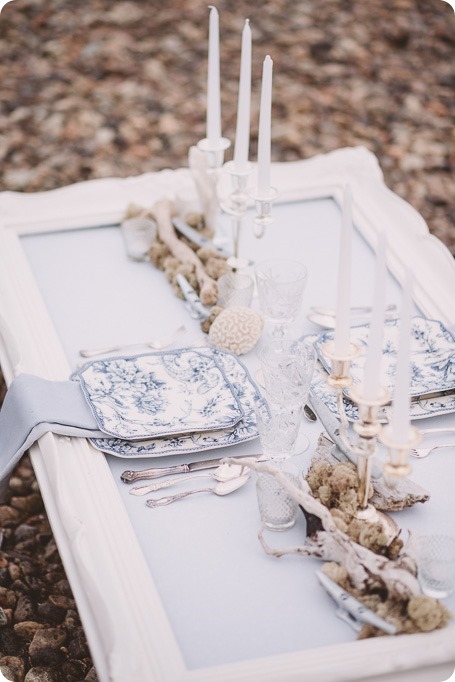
(100, 89)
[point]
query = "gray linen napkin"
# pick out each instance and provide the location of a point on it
(34, 406)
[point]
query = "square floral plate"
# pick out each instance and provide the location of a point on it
(432, 367)
(159, 394)
(244, 430)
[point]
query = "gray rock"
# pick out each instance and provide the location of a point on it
(45, 648)
(38, 674)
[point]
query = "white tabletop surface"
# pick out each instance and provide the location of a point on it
(226, 600)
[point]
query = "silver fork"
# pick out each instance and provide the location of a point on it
(420, 453)
(157, 344)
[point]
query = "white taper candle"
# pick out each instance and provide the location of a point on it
(400, 418)
(372, 375)
(242, 134)
(341, 340)
(265, 126)
(213, 80)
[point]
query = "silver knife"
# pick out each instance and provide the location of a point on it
(331, 424)
(350, 604)
(433, 395)
(130, 476)
(197, 238)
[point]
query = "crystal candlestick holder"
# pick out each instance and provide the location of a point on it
(367, 428)
(397, 464)
(263, 203)
(339, 376)
(339, 379)
(214, 151)
(236, 206)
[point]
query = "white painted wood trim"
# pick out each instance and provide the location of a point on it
(129, 633)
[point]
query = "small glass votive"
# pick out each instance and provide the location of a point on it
(436, 564)
(235, 289)
(278, 510)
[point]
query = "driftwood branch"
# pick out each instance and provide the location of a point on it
(365, 568)
(162, 211)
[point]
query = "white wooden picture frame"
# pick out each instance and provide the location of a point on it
(126, 624)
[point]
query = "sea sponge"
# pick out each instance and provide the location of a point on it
(337, 573)
(427, 613)
(215, 267)
(158, 252)
(348, 501)
(341, 520)
(372, 536)
(325, 495)
(344, 476)
(207, 323)
(318, 474)
(205, 253)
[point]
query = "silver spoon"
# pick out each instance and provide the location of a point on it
(157, 344)
(225, 472)
(222, 488)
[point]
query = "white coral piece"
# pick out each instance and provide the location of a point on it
(236, 330)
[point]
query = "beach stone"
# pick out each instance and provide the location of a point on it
(13, 668)
(117, 90)
(10, 643)
(78, 647)
(45, 648)
(39, 674)
(25, 609)
(51, 613)
(27, 629)
(8, 516)
(7, 598)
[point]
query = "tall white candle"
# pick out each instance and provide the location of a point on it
(213, 80)
(372, 375)
(341, 341)
(242, 134)
(265, 125)
(400, 419)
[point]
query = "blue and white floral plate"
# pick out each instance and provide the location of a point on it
(432, 367)
(180, 444)
(159, 394)
(432, 355)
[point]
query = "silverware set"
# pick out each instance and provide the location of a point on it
(229, 478)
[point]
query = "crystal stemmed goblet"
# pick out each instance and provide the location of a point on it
(281, 284)
(287, 370)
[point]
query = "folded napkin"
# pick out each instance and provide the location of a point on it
(34, 406)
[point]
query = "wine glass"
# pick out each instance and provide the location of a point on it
(287, 370)
(281, 284)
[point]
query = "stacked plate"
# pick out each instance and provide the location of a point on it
(171, 402)
(432, 367)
